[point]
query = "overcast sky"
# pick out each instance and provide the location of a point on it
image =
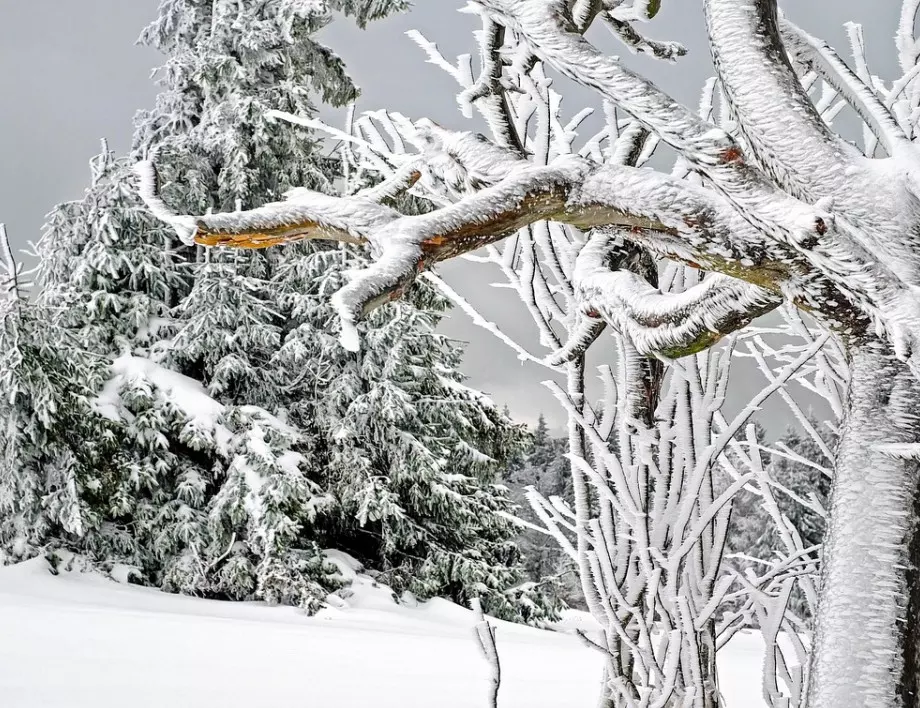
(71, 74)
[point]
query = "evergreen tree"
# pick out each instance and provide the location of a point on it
(213, 505)
(409, 453)
(56, 456)
(250, 439)
(753, 531)
(544, 467)
(109, 272)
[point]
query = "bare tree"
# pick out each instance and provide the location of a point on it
(773, 203)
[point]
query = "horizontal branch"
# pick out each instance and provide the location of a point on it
(672, 217)
(799, 153)
(708, 148)
(303, 215)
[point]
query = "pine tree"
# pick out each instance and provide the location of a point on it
(215, 504)
(753, 532)
(109, 272)
(56, 454)
(231, 323)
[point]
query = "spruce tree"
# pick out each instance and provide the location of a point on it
(109, 272)
(753, 532)
(57, 456)
(543, 466)
(250, 438)
(409, 453)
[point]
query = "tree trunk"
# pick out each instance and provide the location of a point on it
(707, 648)
(867, 636)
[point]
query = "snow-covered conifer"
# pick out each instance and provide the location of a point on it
(109, 273)
(302, 443)
(796, 472)
(760, 204)
(410, 454)
(56, 455)
(544, 467)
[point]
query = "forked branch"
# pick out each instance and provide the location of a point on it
(672, 217)
(800, 152)
(669, 324)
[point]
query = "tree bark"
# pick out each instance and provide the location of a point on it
(867, 636)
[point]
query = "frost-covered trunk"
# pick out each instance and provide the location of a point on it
(708, 660)
(867, 637)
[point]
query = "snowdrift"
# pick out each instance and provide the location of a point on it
(79, 640)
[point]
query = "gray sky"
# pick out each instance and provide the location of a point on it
(72, 75)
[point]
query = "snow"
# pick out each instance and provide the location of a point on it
(302, 213)
(78, 640)
(188, 395)
(787, 200)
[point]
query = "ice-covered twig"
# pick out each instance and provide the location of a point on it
(906, 37)
(479, 320)
(399, 182)
(10, 268)
(485, 637)
(819, 55)
(487, 93)
(900, 451)
(707, 147)
(669, 51)
(318, 125)
(583, 334)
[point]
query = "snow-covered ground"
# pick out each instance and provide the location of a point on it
(82, 641)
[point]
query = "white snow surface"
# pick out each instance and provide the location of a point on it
(79, 640)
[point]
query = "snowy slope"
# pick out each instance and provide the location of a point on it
(83, 641)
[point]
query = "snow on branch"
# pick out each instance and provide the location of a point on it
(9, 267)
(546, 29)
(800, 152)
(839, 254)
(633, 10)
(747, 228)
(669, 324)
(707, 147)
(630, 36)
(672, 216)
(584, 12)
(485, 637)
(906, 38)
(303, 215)
(584, 332)
(487, 92)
